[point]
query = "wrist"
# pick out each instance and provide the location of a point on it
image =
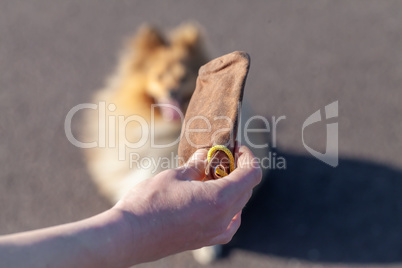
(125, 241)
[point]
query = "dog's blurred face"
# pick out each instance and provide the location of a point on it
(170, 68)
(171, 81)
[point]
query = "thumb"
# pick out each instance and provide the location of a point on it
(194, 169)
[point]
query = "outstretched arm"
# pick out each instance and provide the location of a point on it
(168, 213)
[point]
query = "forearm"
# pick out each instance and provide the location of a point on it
(105, 240)
(163, 215)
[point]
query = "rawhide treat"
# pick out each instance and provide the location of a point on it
(213, 113)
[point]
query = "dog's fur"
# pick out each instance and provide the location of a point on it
(152, 70)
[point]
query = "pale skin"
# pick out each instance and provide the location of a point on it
(169, 213)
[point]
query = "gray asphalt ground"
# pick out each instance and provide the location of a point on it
(305, 55)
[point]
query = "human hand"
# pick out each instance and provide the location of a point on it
(174, 211)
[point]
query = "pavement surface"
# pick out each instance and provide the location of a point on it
(305, 55)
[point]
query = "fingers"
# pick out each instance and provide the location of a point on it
(248, 172)
(194, 169)
(228, 194)
(232, 192)
(248, 162)
(245, 177)
(239, 203)
(232, 228)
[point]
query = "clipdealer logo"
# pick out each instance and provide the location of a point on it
(113, 136)
(330, 156)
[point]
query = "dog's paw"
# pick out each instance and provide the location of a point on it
(207, 255)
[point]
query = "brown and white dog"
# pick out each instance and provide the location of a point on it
(151, 87)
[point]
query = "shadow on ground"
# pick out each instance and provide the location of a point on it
(311, 211)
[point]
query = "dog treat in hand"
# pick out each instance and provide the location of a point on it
(212, 115)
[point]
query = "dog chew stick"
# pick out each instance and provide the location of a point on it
(213, 113)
